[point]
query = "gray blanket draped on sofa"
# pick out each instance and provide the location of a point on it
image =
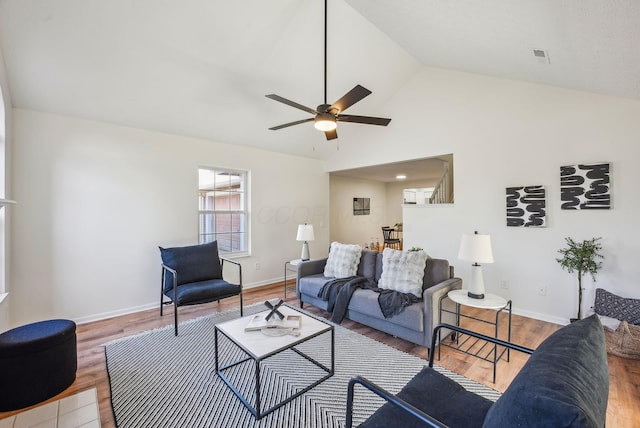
(338, 292)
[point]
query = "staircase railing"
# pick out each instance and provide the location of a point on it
(442, 192)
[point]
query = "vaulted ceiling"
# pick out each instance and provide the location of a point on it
(202, 68)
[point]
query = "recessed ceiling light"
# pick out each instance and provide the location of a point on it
(401, 177)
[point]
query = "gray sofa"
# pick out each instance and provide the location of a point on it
(415, 324)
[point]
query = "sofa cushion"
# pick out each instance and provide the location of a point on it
(311, 284)
(205, 291)
(436, 271)
(403, 271)
(367, 266)
(193, 263)
(565, 382)
(437, 396)
(612, 306)
(343, 260)
(366, 302)
(378, 266)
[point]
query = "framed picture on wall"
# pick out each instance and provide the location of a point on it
(526, 206)
(585, 187)
(361, 206)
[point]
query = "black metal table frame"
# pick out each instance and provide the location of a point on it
(257, 411)
(287, 269)
(460, 346)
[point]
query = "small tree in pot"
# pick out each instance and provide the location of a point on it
(583, 258)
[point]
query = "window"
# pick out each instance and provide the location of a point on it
(222, 196)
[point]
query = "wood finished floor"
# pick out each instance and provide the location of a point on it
(624, 393)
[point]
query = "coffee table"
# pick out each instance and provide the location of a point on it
(236, 348)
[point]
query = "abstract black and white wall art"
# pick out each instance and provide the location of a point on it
(526, 206)
(585, 187)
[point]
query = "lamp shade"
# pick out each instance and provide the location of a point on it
(476, 248)
(305, 232)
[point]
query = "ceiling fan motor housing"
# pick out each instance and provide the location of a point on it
(326, 108)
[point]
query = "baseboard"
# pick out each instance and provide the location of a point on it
(541, 317)
(271, 281)
(154, 305)
(116, 313)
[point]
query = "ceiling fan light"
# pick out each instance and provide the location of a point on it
(325, 123)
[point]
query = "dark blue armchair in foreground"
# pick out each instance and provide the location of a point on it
(193, 275)
(565, 383)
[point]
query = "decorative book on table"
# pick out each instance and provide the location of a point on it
(258, 322)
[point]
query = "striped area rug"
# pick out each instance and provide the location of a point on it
(159, 380)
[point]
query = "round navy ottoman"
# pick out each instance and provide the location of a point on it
(37, 361)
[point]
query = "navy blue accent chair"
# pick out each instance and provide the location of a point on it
(564, 383)
(37, 361)
(193, 275)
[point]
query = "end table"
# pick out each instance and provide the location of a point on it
(466, 344)
(290, 266)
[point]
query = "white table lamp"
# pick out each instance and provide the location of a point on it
(477, 249)
(305, 234)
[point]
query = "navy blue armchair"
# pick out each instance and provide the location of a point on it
(565, 383)
(193, 275)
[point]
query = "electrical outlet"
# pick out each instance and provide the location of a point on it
(257, 265)
(504, 284)
(542, 290)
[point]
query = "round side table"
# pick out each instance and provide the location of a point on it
(491, 302)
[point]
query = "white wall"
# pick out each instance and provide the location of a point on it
(96, 201)
(386, 207)
(507, 133)
(395, 197)
(356, 229)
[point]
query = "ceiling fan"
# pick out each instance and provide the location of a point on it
(326, 116)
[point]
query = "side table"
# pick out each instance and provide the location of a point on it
(290, 266)
(469, 345)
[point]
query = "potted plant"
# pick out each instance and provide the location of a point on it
(582, 257)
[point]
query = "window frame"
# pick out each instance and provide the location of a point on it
(244, 243)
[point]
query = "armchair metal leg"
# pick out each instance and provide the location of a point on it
(175, 318)
(161, 291)
(241, 314)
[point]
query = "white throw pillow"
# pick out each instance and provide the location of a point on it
(403, 271)
(343, 260)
